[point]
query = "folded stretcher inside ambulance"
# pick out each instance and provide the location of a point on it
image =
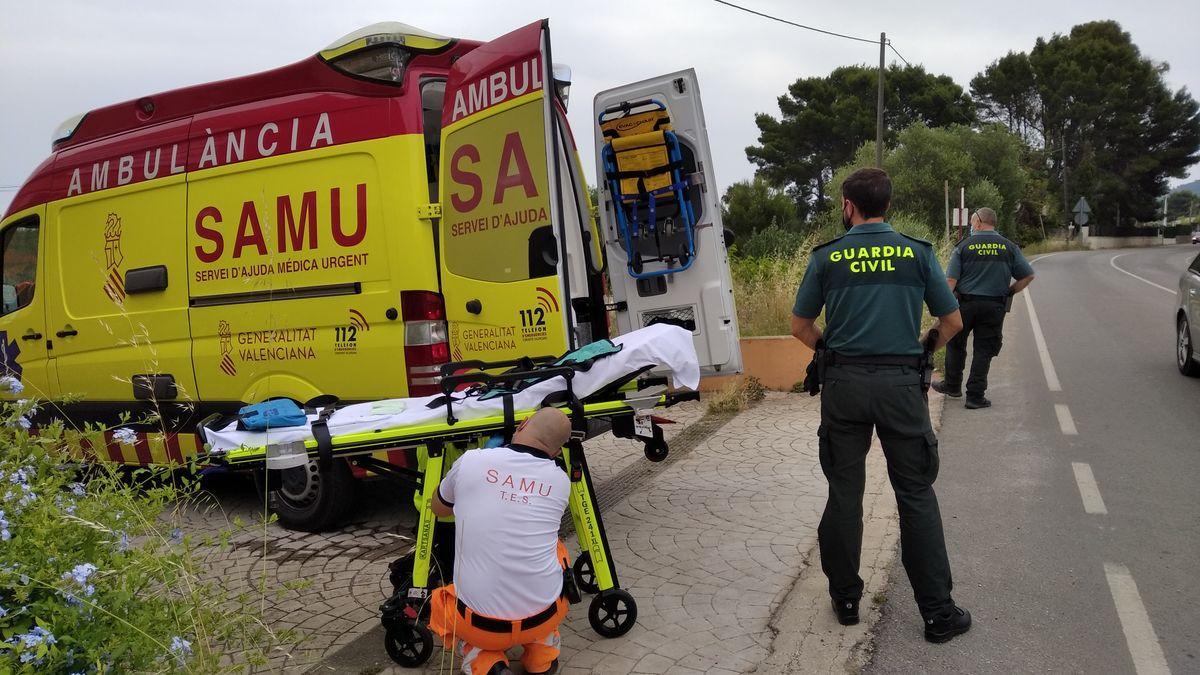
(661, 348)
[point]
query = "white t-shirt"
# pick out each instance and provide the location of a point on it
(508, 504)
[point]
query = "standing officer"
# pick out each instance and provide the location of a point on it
(872, 283)
(981, 268)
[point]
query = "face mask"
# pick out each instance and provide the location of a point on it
(845, 218)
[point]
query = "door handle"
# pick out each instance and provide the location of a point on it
(67, 332)
(31, 335)
(474, 306)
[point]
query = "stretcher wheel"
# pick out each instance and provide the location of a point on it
(612, 613)
(585, 574)
(684, 255)
(408, 644)
(656, 450)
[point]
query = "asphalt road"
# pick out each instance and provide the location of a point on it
(1052, 587)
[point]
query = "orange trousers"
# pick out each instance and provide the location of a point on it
(481, 649)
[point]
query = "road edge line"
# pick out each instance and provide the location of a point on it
(1048, 370)
(1113, 263)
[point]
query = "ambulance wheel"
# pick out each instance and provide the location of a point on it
(612, 613)
(309, 499)
(409, 645)
(585, 574)
(656, 450)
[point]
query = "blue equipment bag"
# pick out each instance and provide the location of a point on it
(273, 414)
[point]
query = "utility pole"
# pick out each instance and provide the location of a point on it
(1066, 205)
(879, 106)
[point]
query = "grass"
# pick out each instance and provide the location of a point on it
(738, 395)
(1051, 246)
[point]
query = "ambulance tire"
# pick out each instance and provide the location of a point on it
(612, 613)
(409, 644)
(315, 500)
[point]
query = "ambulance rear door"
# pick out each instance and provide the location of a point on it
(700, 297)
(500, 233)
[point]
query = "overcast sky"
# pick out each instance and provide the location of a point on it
(62, 57)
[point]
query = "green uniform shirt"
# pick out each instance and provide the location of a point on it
(872, 282)
(985, 263)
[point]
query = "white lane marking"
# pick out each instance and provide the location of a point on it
(1064, 420)
(1140, 637)
(1043, 352)
(1113, 261)
(1088, 490)
(1045, 255)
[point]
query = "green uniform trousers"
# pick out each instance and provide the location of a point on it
(984, 319)
(855, 400)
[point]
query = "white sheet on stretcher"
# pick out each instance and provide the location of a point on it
(667, 349)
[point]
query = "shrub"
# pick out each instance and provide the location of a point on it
(95, 573)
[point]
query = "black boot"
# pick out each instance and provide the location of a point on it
(941, 388)
(500, 668)
(977, 402)
(943, 628)
(846, 611)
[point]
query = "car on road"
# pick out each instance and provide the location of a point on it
(1187, 320)
(1196, 237)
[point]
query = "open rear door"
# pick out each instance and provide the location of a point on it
(669, 264)
(502, 257)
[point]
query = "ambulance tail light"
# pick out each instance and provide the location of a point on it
(426, 340)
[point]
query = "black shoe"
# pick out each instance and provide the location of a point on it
(846, 611)
(977, 402)
(549, 671)
(943, 628)
(941, 388)
(500, 668)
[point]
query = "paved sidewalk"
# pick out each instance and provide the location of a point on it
(712, 544)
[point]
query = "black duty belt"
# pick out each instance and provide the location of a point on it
(836, 359)
(986, 298)
(504, 626)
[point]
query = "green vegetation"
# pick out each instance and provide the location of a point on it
(1093, 93)
(96, 573)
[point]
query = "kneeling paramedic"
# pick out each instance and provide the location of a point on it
(510, 565)
(871, 283)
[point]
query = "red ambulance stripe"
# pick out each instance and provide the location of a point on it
(85, 446)
(173, 451)
(142, 447)
(114, 450)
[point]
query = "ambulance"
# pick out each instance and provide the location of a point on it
(337, 229)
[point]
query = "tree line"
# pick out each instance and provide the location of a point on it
(1081, 114)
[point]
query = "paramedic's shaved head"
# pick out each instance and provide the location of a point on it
(547, 430)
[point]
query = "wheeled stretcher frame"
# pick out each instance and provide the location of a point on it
(643, 233)
(622, 407)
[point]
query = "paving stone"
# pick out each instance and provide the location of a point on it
(708, 544)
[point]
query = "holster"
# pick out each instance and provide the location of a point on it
(814, 375)
(927, 361)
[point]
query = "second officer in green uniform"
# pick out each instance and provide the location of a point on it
(982, 271)
(872, 284)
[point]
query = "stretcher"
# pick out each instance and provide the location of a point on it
(604, 386)
(643, 164)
